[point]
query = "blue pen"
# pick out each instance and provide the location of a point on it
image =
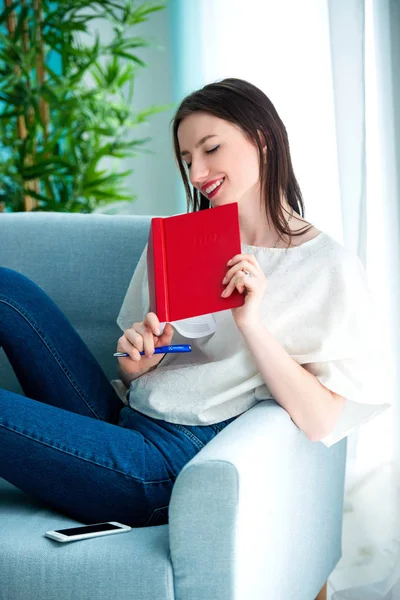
(162, 350)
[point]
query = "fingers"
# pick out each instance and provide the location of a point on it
(238, 282)
(250, 258)
(131, 342)
(167, 335)
(247, 263)
(125, 345)
(136, 339)
(237, 277)
(144, 337)
(152, 322)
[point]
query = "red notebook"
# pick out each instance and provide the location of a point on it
(186, 261)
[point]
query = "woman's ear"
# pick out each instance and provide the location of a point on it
(263, 142)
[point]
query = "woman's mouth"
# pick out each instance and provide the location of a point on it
(215, 191)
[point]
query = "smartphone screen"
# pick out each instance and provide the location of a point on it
(88, 529)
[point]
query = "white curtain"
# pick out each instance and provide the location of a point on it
(328, 66)
(374, 139)
(365, 145)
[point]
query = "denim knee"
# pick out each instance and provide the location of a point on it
(9, 279)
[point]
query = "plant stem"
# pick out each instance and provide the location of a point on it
(21, 123)
(11, 25)
(40, 65)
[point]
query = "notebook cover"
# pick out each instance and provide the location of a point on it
(186, 261)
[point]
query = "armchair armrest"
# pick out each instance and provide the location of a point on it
(257, 513)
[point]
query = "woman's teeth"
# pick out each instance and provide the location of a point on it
(214, 186)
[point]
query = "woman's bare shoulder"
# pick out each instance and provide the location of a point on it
(298, 224)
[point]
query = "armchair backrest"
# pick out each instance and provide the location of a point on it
(84, 262)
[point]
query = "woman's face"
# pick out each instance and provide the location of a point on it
(215, 150)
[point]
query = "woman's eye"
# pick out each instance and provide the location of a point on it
(212, 149)
(207, 152)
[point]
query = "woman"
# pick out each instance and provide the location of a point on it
(302, 337)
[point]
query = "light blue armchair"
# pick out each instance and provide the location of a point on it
(256, 515)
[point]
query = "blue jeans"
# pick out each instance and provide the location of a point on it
(70, 441)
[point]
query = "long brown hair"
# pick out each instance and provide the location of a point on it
(245, 105)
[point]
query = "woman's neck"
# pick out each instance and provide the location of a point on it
(256, 230)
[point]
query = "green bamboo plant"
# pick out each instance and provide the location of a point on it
(65, 105)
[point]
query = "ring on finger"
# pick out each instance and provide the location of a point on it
(248, 274)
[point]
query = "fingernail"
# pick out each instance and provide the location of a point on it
(224, 280)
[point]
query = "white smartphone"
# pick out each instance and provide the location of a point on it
(87, 531)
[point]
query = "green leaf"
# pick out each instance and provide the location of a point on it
(10, 114)
(140, 15)
(130, 57)
(46, 167)
(127, 43)
(125, 75)
(107, 179)
(20, 23)
(7, 11)
(49, 94)
(142, 116)
(57, 79)
(37, 196)
(35, 106)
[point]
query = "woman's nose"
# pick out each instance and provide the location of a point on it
(199, 172)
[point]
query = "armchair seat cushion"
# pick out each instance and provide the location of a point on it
(134, 565)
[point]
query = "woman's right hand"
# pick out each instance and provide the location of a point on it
(144, 336)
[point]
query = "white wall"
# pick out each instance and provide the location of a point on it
(283, 48)
(155, 180)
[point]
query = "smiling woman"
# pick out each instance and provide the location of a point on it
(305, 334)
(231, 146)
(229, 135)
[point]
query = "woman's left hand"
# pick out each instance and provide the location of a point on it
(253, 286)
